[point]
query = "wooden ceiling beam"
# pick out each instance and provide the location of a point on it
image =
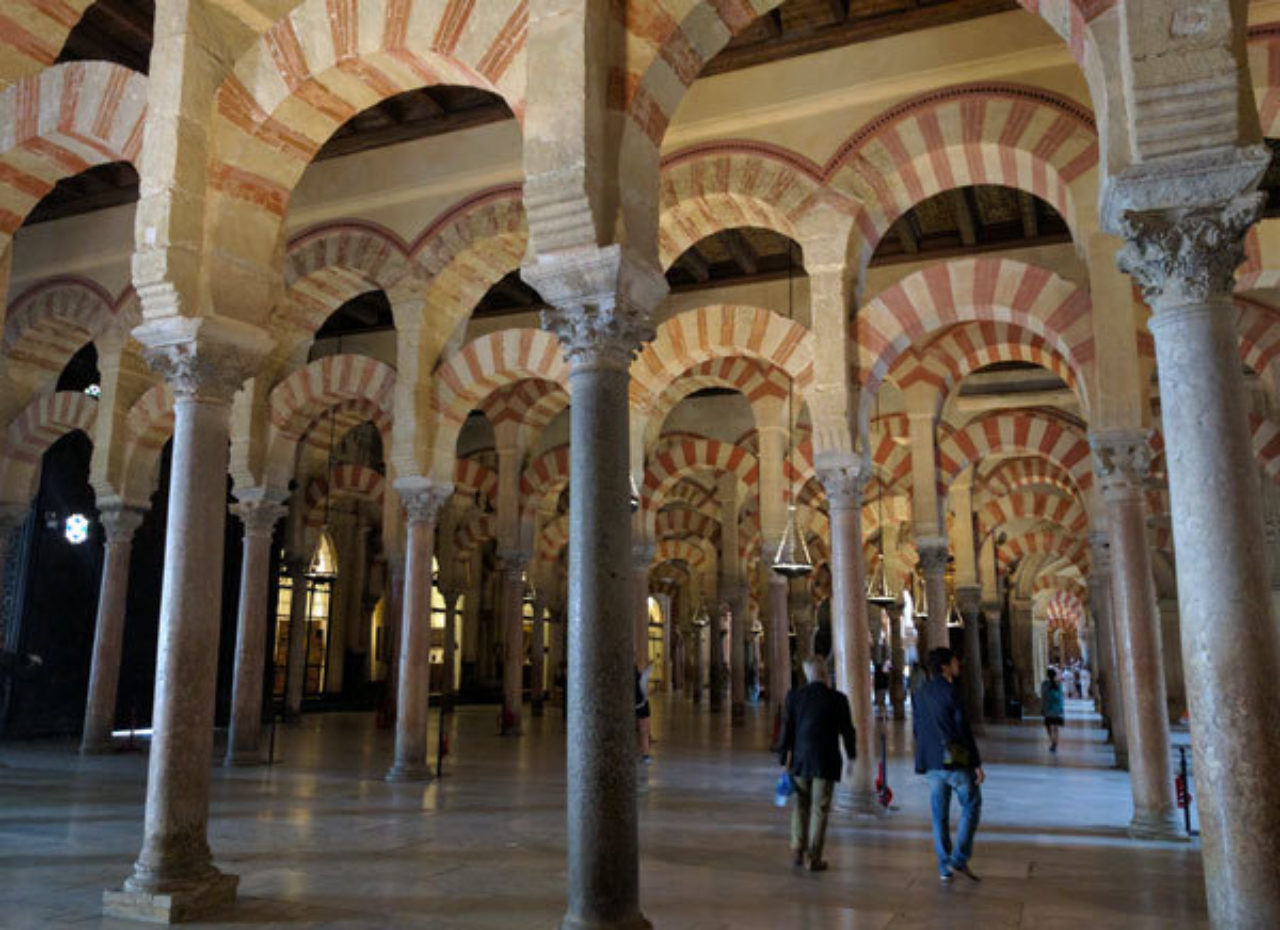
(1027, 208)
(963, 215)
(740, 251)
(907, 235)
(693, 262)
(839, 10)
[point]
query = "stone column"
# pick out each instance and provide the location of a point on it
(991, 611)
(423, 500)
(120, 523)
(604, 301)
(358, 625)
(1184, 259)
(204, 361)
(450, 683)
(296, 667)
(779, 634)
(1106, 674)
(259, 517)
(898, 656)
(801, 604)
(933, 562)
(968, 601)
(851, 644)
(715, 659)
(1122, 461)
(641, 559)
(513, 568)
(699, 668)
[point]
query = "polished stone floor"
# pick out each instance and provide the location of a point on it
(319, 839)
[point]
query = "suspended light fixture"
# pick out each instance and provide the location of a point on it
(953, 614)
(922, 601)
(792, 558)
(635, 492)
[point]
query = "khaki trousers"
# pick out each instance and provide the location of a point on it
(809, 815)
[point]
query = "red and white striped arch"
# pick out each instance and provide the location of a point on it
(675, 459)
(468, 249)
(346, 480)
(723, 331)
(1063, 608)
(995, 290)
(530, 403)
(544, 476)
(706, 189)
(989, 133)
(1049, 582)
(1065, 511)
(328, 265)
(553, 537)
(1016, 433)
(682, 522)
(1040, 542)
(52, 320)
(30, 434)
(148, 426)
(470, 477)
(475, 530)
(32, 33)
(1266, 444)
(326, 383)
(890, 453)
(693, 552)
(60, 122)
(944, 361)
(1012, 475)
(320, 65)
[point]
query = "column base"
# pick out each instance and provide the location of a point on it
(738, 710)
(409, 771)
(1147, 826)
(637, 922)
(859, 803)
(190, 900)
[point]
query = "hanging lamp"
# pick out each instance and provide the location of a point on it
(635, 492)
(322, 561)
(878, 593)
(792, 558)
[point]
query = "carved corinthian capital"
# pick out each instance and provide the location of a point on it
(1121, 460)
(602, 304)
(203, 358)
(844, 482)
(423, 498)
(1187, 256)
(259, 515)
(934, 553)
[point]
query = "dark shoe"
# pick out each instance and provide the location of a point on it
(965, 871)
(817, 865)
(798, 860)
(945, 877)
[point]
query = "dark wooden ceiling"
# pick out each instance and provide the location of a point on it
(113, 30)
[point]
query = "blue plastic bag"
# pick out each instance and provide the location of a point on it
(785, 789)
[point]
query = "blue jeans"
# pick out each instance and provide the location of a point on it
(941, 783)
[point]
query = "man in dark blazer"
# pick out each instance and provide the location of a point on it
(947, 754)
(814, 722)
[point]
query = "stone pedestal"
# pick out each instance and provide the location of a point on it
(933, 562)
(850, 641)
(603, 302)
(1185, 261)
(243, 736)
(513, 569)
(205, 362)
(120, 523)
(1122, 460)
(423, 499)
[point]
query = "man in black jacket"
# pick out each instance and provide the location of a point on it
(815, 720)
(947, 754)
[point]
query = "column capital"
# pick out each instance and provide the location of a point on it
(968, 599)
(1187, 255)
(844, 483)
(934, 553)
(423, 498)
(120, 521)
(602, 303)
(259, 515)
(1121, 460)
(203, 358)
(513, 560)
(642, 556)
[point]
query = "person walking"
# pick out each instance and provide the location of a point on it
(947, 755)
(815, 721)
(643, 712)
(1052, 705)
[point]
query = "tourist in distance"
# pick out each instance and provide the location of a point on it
(1052, 705)
(947, 754)
(815, 721)
(643, 711)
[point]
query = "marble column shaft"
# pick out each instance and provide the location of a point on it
(296, 656)
(898, 656)
(933, 561)
(1108, 671)
(538, 658)
(1185, 260)
(120, 523)
(174, 873)
(851, 644)
(995, 657)
(779, 638)
(450, 684)
(423, 501)
(513, 583)
(244, 732)
(968, 601)
(738, 597)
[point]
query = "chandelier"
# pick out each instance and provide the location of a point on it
(792, 558)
